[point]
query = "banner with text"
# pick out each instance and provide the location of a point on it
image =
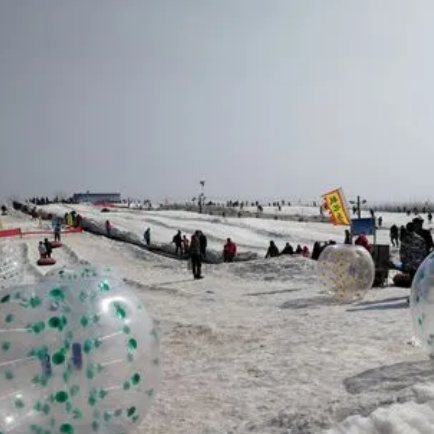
(335, 204)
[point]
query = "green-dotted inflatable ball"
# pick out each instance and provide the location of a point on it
(79, 354)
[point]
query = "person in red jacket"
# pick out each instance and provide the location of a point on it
(229, 251)
(362, 240)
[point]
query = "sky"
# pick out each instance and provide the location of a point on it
(261, 99)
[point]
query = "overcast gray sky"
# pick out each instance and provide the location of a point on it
(260, 98)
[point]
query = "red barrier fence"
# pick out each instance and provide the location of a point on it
(10, 233)
(49, 232)
(17, 232)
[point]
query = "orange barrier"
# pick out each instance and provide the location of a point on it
(10, 233)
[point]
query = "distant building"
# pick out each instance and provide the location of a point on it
(97, 197)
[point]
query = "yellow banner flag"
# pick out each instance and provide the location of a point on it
(335, 204)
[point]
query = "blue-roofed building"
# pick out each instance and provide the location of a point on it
(97, 197)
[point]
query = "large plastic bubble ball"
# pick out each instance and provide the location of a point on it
(79, 354)
(11, 265)
(422, 304)
(346, 271)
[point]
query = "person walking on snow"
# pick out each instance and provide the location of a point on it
(57, 229)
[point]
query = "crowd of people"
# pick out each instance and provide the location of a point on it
(45, 247)
(413, 240)
(195, 249)
(415, 244)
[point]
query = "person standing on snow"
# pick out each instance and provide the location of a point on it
(413, 251)
(177, 240)
(57, 230)
(147, 236)
(196, 256)
(203, 244)
(108, 228)
(424, 233)
(185, 244)
(394, 235)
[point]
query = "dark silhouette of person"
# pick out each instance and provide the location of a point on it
(287, 250)
(402, 233)
(316, 250)
(108, 227)
(394, 235)
(147, 236)
(203, 244)
(272, 251)
(348, 238)
(424, 233)
(413, 250)
(196, 256)
(48, 248)
(177, 239)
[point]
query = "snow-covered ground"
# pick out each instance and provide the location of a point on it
(257, 347)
